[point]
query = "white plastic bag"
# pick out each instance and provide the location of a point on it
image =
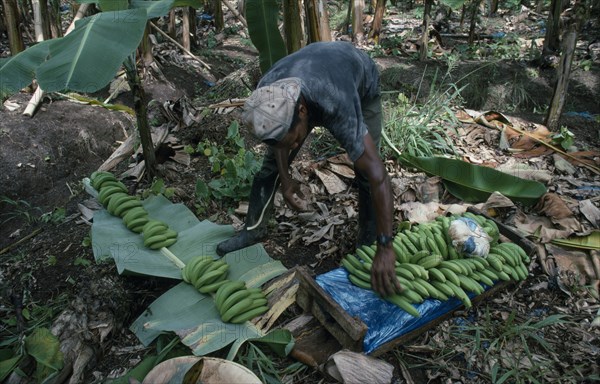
(469, 238)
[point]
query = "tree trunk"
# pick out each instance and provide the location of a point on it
(358, 29)
(348, 22)
(146, 48)
(47, 34)
(425, 36)
(317, 21)
(552, 38)
(140, 105)
(474, 13)
(185, 28)
(378, 20)
(218, 15)
(493, 8)
(11, 18)
(55, 19)
(37, 20)
(292, 25)
(463, 13)
(193, 27)
(569, 42)
(172, 26)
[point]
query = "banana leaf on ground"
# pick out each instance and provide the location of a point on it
(183, 310)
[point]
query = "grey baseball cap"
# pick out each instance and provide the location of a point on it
(269, 111)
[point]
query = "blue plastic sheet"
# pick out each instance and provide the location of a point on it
(385, 321)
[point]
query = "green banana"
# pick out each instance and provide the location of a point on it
(237, 309)
(165, 243)
(233, 299)
(360, 282)
(437, 275)
(227, 289)
(431, 261)
(106, 193)
(214, 286)
(414, 259)
(123, 207)
(450, 275)
(404, 273)
(249, 315)
(404, 304)
(115, 200)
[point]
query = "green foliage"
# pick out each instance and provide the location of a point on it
(422, 130)
(268, 368)
(493, 349)
(263, 17)
(158, 188)
(56, 216)
(44, 347)
(232, 167)
(564, 138)
(35, 340)
(18, 210)
(82, 60)
(505, 48)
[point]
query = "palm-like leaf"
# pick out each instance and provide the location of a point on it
(88, 57)
(262, 17)
(474, 183)
(182, 309)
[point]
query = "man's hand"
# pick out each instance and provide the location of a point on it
(293, 195)
(383, 273)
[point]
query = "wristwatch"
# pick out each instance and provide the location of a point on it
(384, 240)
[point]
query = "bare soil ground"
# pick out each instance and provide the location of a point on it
(44, 159)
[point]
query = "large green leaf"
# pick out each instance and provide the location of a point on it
(262, 17)
(8, 362)
(194, 317)
(18, 71)
(154, 8)
(182, 309)
(87, 58)
(44, 347)
(475, 183)
(113, 5)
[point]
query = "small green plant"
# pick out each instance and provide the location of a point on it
(81, 261)
(50, 260)
(270, 370)
(564, 138)
(232, 168)
(421, 130)
(586, 65)
(158, 188)
(56, 216)
(18, 210)
(27, 334)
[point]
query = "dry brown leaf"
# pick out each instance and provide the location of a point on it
(332, 182)
(342, 170)
(552, 205)
(591, 212)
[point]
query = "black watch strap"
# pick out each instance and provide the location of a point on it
(384, 240)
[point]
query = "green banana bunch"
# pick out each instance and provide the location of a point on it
(113, 195)
(205, 274)
(237, 304)
(157, 234)
(428, 266)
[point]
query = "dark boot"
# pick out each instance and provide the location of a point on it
(367, 226)
(260, 208)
